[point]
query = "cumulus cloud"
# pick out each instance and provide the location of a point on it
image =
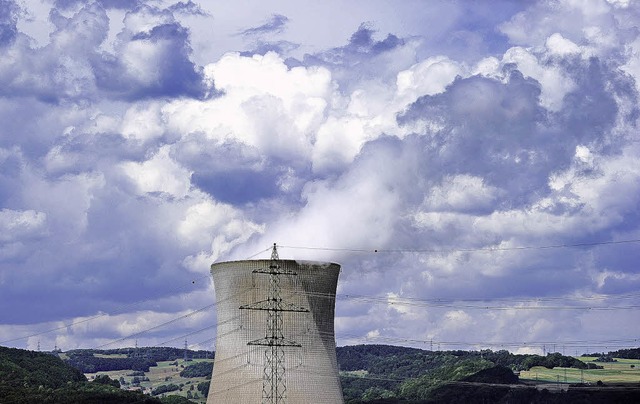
(159, 174)
(485, 183)
(152, 58)
(73, 64)
(580, 23)
(266, 105)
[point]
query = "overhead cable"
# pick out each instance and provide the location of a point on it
(449, 250)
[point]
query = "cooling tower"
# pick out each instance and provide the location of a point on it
(275, 338)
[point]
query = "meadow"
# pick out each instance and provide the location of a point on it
(167, 372)
(621, 371)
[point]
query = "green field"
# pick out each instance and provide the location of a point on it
(167, 372)
(110, 355)
(620, 371)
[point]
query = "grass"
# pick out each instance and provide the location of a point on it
(97, 355)
(613, 372)
(167, 372)
(354, 373)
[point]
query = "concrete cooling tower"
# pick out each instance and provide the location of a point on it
(275, 341)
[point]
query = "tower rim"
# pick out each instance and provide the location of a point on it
(267, 260)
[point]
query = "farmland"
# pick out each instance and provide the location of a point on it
(164, 374)
(621, 371)
(167, 373)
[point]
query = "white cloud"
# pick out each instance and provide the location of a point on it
(215, 229)
(632, 66)
(142, 61)
(488, 66)
(145, 18)
(265, 105)
(461, 193)
(555, 83)
(583, 154)
(427, 77)
(247, 76)
(143, 122)
(338, 141)
(65, 201)
(160, 173)
(598, 27)
(456, 321)
(15, 225)
(606, 193)
(343, 227)
(561, 46)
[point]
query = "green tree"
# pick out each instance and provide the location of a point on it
(105, 379)
(199, 369)
(165, 388)
(175, 400)
(203, 388)
(377, 393)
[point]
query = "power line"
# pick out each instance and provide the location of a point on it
(164, 324)
(54, 329)
(157, 326)
(391, 301)
(447, 303)
(412, 302)
(188, 334)
(613, 343)
(449, 250)
(182, 288)
(599, 297)
(394, 301)
(121, 308)
(259, 252)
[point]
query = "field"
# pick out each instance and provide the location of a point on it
(621, 371)
(167, 372)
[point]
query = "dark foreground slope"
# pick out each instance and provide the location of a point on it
(481, 393)
(34, 377)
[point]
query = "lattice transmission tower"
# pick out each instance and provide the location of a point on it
(274, 384)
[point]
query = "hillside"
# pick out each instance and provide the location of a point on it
(34, 377)
(391, 374)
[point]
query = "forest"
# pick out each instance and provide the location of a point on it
(37, 377)
(392, 374)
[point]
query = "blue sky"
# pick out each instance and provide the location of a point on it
(487, 150)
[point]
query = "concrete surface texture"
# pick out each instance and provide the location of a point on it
(275, 332)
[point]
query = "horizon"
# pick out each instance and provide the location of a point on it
(546, 353)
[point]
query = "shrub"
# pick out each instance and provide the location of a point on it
(165, 388)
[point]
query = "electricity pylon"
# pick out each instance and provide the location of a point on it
(274, 384)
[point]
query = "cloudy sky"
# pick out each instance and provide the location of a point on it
(474, 167)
